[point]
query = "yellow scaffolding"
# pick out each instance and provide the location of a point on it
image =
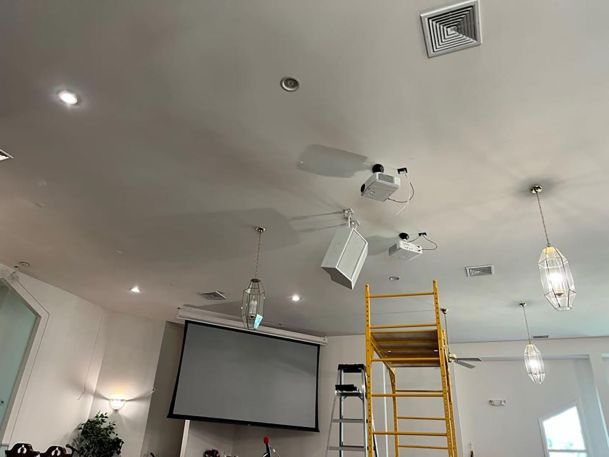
(411, 345)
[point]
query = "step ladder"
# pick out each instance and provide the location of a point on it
(344, 391)
(415, 347)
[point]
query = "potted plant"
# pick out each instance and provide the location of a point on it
(97, 438)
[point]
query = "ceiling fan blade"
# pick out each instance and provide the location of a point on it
(470, 359)
(464, 364)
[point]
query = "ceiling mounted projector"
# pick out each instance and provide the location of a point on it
(405, 250)
(346, 254)
(380, 186)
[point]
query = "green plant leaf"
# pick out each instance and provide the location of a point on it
(97, 437)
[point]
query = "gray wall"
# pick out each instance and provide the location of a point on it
(163, 436)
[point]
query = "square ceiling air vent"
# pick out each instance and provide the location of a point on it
(480, 270)
(452, 28)
(216, 295)
(4, 155)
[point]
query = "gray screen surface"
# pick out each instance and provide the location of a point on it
(246, 377)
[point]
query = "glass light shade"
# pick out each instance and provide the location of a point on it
(534, 363)
(556, 279)
(252, 304)
(117, 403)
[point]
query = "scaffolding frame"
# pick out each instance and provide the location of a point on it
(421, 345)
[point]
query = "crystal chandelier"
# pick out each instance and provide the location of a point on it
(252, 302)
(556, 277)
(533, 361)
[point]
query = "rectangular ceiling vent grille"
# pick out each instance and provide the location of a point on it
(480, 270)
(216, 295)
(452, 28)
(4, 155)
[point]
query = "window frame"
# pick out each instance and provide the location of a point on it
(27, 365)
(574, 404)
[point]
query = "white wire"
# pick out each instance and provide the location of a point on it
(404, 203)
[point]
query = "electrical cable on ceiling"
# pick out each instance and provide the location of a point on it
(409, 198)
(424, 236)
(435, 245)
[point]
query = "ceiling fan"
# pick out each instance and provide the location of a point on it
(463, 361)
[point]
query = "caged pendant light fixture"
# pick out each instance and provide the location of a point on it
(252, 303)
(554, 269)
(533, 361)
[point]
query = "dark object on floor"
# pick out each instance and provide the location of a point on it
(211, 453)
(21, 450)
(55, 451)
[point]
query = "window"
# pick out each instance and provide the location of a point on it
(17, 325)
(563, 435)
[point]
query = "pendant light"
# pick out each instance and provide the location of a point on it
(533, 361)
(252, 303)
(554, 270)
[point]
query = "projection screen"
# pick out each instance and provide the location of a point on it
(230, 375)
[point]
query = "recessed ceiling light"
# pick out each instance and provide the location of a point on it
(135, 289)
(289, 84)
(394, 278)
(295, 297)
(67, 97)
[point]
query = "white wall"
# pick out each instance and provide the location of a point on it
(201, 436)
(514, 429)
(82, 355)
(163, 436)
(58, 383)
(128, 371)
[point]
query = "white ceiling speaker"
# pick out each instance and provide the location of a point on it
(452, 28)
(346, 254)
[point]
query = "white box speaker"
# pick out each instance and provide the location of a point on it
(345, 257)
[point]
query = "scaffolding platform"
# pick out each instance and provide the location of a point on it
(420, 345)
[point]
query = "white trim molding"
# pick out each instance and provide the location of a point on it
(188, 313)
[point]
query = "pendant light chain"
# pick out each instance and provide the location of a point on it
(260, 231)
(526, 321)
(543, 219)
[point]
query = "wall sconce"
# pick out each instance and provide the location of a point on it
(117, 403)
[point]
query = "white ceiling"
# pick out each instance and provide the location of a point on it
(184, 140)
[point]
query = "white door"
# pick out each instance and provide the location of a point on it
(17, 324)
